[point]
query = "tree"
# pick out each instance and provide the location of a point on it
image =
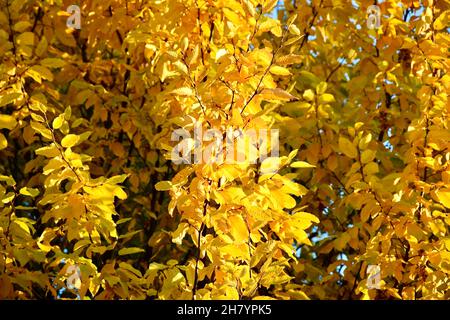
(116, 128)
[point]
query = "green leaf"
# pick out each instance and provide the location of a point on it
(308, 78)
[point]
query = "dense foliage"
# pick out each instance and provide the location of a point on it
(87, 118)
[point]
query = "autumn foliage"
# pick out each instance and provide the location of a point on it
(86, 175)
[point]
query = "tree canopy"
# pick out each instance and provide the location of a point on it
(354, 98)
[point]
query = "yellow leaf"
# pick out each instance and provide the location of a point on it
(270, 165)
(179, 234)
(118, 179)
(26, 38)
(321, 88)
(277, 94)
(293, 188)
(53, 63)
(289, 59)
(442, 21)
(238, 227)
(326, 98)
(281, 71)
(163, 185)
(367, 156)
(42, 47)
(236, 118)
(70, 140)
(58, 122)
(49, 152)
(80, 244)
(53, 165)
(67, 113)
(7, 122)
(342, 241)
(21, 26)
(130, 268)
(126, 251)
(3, 141)
(294, 30)
(293, 39)
(302, 164)
(347, 148)
(364, 142)
(269, 5)
(9, 98)
(301, 215)
(235, 250)
(444, 196)
(39, 127)
(119, 193)
(263, 298)
(37, 72)
(370, 168)
(9, 180)
(184, 91)
(308, 95)
(283, 200)
(32, 192)
(369, 209)
(118, 149)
